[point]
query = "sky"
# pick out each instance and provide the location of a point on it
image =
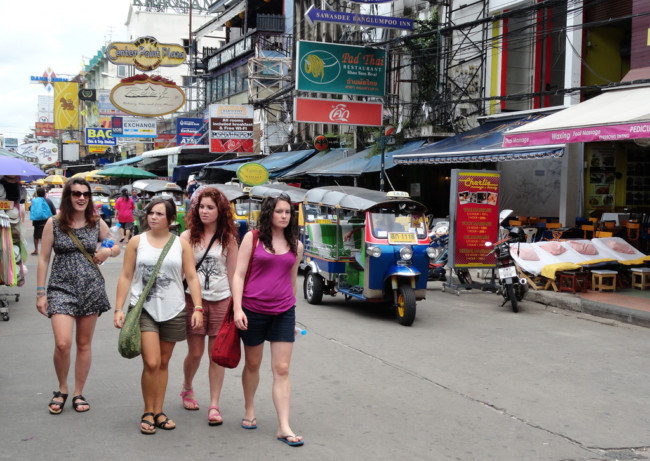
(37, 34)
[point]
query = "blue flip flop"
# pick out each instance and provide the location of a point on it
(285, 439)
(253, 423)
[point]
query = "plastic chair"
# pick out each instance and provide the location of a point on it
(530, 232)
(553, 225)
(603, 234)
(514, 222)
(609, 225)
(633, 233)
(587, 228)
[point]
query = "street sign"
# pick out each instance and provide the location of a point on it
(338, 17)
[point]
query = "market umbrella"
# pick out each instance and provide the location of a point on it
(56, 179)
(15, 166)
(39, 182)
(126, 171)
(87, 175)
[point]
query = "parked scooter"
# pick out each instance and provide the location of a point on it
(512, 288)
(439, 236)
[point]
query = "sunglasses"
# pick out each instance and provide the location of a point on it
(77, 194)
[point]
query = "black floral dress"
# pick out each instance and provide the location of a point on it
(75, 287)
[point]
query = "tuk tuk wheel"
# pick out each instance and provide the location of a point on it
(405, 309)
(313, 288)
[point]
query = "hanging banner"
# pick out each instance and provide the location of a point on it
(341, 69)
(474, 217)
(66, 106)
(337, 111)
(231, 128)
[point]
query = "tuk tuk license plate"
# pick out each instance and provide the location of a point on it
(506, 272)
(402, 237)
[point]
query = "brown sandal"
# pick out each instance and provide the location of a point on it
(57, 394)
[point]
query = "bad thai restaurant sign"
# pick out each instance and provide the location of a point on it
(145, 54)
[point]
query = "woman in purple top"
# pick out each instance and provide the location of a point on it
(264, 309)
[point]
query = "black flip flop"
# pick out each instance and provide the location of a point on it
(77, 401)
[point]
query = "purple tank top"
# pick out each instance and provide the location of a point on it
(269, 289)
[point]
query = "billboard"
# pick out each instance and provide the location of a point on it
(47, 153)
(231, 128)
(189, 131)
(105, 106)
(100, 137)
(474, 217)
(341, 69)
(145, 53)
(148, 96)
(45, 129)
(66, 105)
(337, 111)
(139, 127)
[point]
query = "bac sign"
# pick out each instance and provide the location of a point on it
(100, 137)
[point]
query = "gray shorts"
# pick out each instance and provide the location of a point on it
(171, 331)
(126, 225)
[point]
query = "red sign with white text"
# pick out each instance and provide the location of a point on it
(45, 129)
(337, 112)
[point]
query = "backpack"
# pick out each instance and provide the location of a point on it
(39, 210)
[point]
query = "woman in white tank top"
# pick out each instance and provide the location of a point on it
(163, 315)
(209, 216)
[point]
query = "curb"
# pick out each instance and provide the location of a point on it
(574, 302)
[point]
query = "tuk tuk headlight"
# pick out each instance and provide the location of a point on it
(375, 252)
(406, 253)
(432, 253)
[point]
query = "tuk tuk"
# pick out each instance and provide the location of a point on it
(259, 193)
(101, 199)
(148, 189)
(368, 245)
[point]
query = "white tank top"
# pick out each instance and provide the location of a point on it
(213, 273)
(166, 298)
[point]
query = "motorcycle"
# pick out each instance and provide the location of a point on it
(512, 288)
(439, 236)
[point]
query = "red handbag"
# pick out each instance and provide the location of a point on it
(226, 351)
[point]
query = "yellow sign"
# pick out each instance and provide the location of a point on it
(6, 205)
(66, 106)
(253, 174)
(145, 54)
(402, 237)
(97, 149)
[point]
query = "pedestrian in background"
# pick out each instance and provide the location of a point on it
(162, 322)
(265, 309)
(125, 206)
(39, 212)
(212, 234)
(76, 294)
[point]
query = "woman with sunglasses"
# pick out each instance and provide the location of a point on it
(163, 318)
(264, 309)
(209, 220)
(75, 294)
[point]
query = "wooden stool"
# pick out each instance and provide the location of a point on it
(603, 280)
(573, 281)
(641, 277)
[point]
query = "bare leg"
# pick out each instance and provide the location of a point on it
(216, 374)
(150, 372)
(62, 325)
(251, 377)
(166, 349)
(195, 346)
(280, 361)
(35, 246)
(85, 331)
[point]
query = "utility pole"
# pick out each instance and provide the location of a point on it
(385, 131)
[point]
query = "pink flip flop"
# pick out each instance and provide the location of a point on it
(190, 401)
(212, 418)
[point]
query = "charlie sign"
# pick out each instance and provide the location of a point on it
(341, 69)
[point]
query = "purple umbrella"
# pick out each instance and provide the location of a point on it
(15, 166)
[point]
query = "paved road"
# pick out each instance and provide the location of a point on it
(468, 381)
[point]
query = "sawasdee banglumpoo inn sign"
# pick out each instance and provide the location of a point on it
(145, 54)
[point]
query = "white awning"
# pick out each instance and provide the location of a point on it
(616, 115)
(176, 150)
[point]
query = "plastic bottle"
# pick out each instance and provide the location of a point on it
(299, 331)
(116, 236)
(107, 243)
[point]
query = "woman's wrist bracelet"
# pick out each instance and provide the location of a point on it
(118, 310)
(198, 308)
(40, 288)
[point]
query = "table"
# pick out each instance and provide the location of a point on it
(618, 217)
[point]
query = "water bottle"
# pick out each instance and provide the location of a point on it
(107, 243)
(299, 331)
(116, 236)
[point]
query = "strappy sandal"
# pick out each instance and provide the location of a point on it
(57, 394)
(211, 417)
(184, 394)
(78, 401)
(163, 425)
(152, 427)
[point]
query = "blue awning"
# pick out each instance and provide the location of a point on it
(128, 161)
(317, 161)
(481, 144)
(183, 172)
(277, 164)
(362, 162)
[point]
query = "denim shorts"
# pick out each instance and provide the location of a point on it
(272, 328)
